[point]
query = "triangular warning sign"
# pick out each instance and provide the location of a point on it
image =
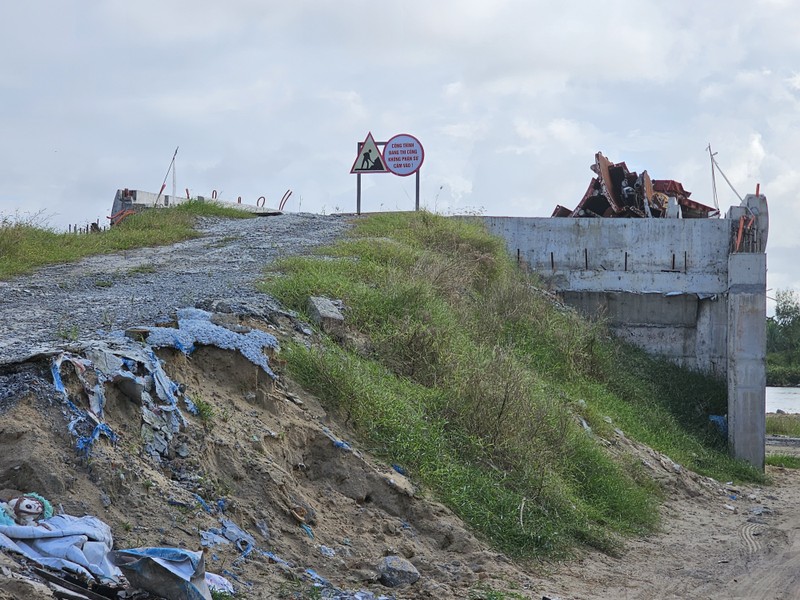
(369, 159)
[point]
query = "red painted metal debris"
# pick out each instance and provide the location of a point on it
(616, 191)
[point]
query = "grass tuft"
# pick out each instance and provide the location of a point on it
(788, 424)
(787, 461)
(211, 208)
(205, 412)
(487, 592)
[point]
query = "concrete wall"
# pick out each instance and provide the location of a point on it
(149, 199)
(660, 283)
(138, 199)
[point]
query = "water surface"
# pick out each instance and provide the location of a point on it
(786, 399)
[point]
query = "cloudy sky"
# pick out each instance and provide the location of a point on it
(510, 99)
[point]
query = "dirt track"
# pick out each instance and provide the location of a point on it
(706, 550)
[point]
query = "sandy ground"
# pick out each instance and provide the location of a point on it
(269, 454)
(717, 541)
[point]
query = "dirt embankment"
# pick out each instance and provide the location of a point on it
(288, 471)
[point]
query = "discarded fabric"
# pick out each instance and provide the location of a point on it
(65, 543)
(138, 373)
(212, 538)
(230, 532)
(243, 540)
(85, 443)
(337, 443)
(172, 573)
(128, 359)
(83, 367)
(203, 503)
(318, 580)
(308, 530)
(275, 558)
(721, 423)
(217, 583)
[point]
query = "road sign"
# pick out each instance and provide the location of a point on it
(403, 155)
(369, 159)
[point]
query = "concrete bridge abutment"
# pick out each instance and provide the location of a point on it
(690, 290)
(747, 341)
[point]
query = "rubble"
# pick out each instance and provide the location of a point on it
(396, 571)
(616, 191)
(325, 314)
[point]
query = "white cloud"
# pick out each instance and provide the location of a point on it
(511, 99)
(794, 81)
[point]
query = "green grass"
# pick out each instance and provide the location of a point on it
(145, 269)
(787, 461)
(487, 592)
(205, 412)
(68, 332)
(783, 425)
(24, 246)
(210, 208)
(475, 385)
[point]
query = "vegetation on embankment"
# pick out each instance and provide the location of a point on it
(26, 246)
(783, 424)
(786, 461)
(460, 370)
(782, 375)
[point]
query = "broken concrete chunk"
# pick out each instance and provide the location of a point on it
(229, 321)
(155, 442)
(325, 314)
(396, 571)
(137, 333)
(131, 385)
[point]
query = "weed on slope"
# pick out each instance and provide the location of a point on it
(476, 382)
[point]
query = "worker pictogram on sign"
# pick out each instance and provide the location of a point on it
(369, 159)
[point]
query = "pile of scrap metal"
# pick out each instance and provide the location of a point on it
(619, 192)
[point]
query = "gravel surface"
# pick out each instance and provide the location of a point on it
(84, 300)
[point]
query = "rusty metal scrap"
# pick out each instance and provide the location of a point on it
(616, 191)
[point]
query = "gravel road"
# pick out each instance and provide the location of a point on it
(140, 287)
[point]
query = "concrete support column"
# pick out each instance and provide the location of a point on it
(747, 356)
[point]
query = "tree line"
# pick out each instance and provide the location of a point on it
(783, 340)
